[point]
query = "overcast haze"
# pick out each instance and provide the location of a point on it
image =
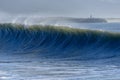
(73, 8)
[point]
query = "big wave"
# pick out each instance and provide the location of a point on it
(51, 42)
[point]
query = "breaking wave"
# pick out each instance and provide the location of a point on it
(50, 42)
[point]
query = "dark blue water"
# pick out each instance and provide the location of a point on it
(83, 52)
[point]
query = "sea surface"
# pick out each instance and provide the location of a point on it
(60, 51)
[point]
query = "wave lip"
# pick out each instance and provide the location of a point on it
(58, 42)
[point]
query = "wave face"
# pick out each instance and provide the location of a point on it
(50, 42)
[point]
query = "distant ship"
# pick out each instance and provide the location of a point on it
(90, 20)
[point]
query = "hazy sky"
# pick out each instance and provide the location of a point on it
(76, 8)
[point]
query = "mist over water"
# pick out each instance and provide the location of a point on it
(111, 25)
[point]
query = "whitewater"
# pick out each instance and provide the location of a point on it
(59, 49)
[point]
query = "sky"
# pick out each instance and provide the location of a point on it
(67, 8)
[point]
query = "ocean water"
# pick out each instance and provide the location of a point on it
(69, 51)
